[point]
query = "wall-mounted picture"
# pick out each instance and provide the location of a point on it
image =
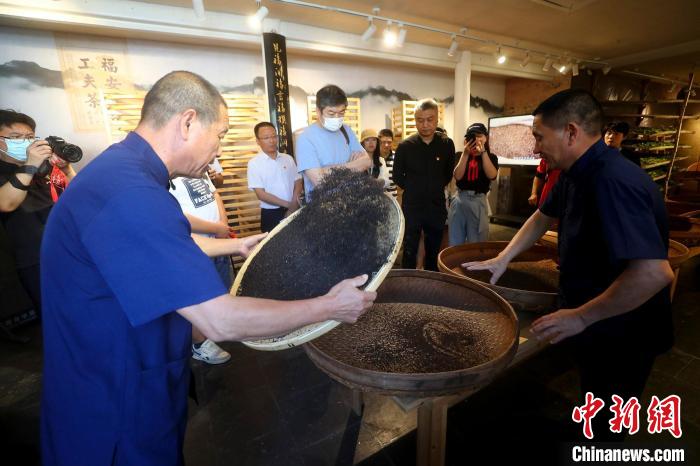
(511, 139)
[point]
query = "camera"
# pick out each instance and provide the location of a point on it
(68, 152)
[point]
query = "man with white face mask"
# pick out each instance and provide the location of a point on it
(26, 198)
(329, 143)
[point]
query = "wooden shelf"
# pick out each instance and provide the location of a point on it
(655, 165)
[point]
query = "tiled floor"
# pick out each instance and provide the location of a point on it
(279, 409)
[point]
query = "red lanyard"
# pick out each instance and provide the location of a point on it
(57, 182)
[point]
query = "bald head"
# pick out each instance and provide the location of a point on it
(179, 91)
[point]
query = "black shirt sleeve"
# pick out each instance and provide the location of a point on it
(627, 219)
(550, 206)
(494, 161)
(399, 170)
(450, 165)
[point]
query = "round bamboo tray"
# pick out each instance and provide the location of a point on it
(337, 352)
(309, 332)
(450, 260)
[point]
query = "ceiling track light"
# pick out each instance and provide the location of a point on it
(500, 58)
(369, 32)
(198, 7)
(547, 64)
(526, 60)
(389, 35)
(256, 19)
(453, 47)
(574, 69)
(402, 36)
(400, 32)
(606, 69)
(562, 68)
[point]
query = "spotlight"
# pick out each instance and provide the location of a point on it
(198, 7)
(526, 60)
(389, 35)
(500, 58)
(453, 47)
(402, 36)
(547, 64)
(256, 20)
(672, 89)
(371, 29)
(562, 69)
(606, 69)
(574, 69)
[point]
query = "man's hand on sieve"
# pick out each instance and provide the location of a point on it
(348, 302)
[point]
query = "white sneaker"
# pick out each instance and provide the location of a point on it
(210, 353)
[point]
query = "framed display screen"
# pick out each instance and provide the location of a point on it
(511, 139)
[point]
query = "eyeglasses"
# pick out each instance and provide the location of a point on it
(21, 137)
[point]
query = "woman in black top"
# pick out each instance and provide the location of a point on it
(477, 167)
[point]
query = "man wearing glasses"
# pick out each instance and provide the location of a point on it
(26, 199)
(273, 177)
(329, 143)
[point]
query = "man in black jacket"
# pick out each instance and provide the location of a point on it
(423, 166)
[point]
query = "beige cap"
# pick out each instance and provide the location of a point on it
(368, 133)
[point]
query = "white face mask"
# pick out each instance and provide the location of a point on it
(332, 124)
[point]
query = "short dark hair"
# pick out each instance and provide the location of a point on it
(178, 91)
(426, 104)
(10, 117)
(570, 105)
(618, 127)
(330, 96)
(386, 132)
(262, 124)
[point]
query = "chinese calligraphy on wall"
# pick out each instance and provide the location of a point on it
(90, 69)
(278, 89)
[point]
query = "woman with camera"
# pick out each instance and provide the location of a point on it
(477, 167)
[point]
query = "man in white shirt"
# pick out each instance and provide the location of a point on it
(274, 179)
(204, 209)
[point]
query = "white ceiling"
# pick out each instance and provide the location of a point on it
(629, 32)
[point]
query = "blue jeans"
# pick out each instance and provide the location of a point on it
(468, 218)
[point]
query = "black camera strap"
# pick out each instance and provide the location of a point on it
(14, 181)
(29, 169)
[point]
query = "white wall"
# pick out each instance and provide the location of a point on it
(229, 69)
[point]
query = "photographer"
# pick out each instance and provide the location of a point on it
(28, 193)
(476, 169)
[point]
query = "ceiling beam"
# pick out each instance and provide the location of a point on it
(656, 54)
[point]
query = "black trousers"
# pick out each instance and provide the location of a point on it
(270, 218)
(432, 224)
(29, 276)
(616, 371)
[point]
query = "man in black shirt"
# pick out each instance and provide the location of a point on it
(614, 296)
(476, 168)
(26, 198)
(423, 166)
